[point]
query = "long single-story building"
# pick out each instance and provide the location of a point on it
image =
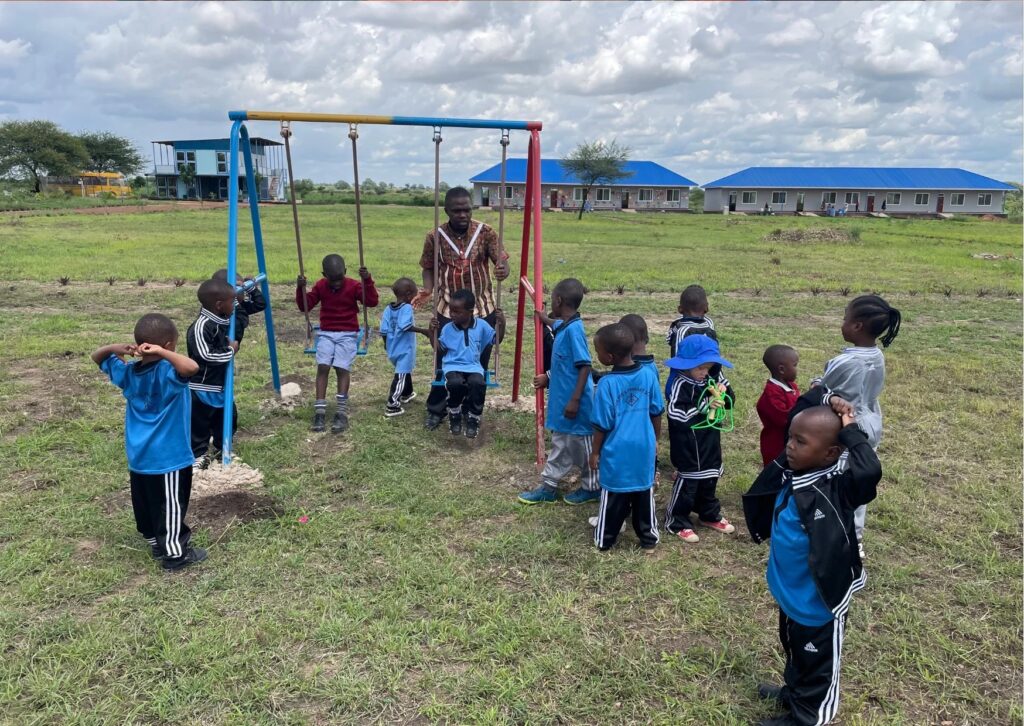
(856, 190)
(649, 187)
(208, 160)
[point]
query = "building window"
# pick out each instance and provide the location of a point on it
(853, 197)
(646, 195)
(893, 198)
(222, 162)
(167, 186)
(984, 200)
(828, 198)
(577, 194)
(604, 195)
(510, 191)
(749, 198)
(921, 199)
(672, 195)
(957, 200)
(185, 158)
(778, 197)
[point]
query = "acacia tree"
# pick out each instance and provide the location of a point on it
(597, 162)
(30, 150)
(110, 152)
(187, 174)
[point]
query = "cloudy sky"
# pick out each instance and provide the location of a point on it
(703, 88)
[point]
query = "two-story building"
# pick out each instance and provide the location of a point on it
(647, 187)
(208, 160)
(856, 190)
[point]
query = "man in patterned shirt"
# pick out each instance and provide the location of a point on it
(466, 249)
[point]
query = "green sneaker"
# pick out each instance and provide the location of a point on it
(540, 495)
(582, 496)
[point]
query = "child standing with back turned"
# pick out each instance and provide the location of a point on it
(570, 402)
(339, 298)
(693, 320)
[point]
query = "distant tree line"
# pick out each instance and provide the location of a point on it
(33, 150)
(307, 187)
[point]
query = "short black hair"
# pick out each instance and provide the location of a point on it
(617, 339)
(333, 265)
(221, 274)
(212, 290)
(878, 316)
(571, 291)
(402, 283)
(466, 297)
(775, 354)
(693, 298)
(456, 193)
(823, 419)
(638, 326)
(156, 329)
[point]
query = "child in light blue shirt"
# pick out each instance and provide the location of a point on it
(398, 329)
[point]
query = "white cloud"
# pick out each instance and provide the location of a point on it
(705, 88)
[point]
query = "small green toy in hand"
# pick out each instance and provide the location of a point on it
(719, 416)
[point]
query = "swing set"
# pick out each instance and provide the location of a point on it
(239, 146)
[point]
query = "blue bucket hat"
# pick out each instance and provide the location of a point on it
(696, 350)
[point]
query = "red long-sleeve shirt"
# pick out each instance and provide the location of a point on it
(773, 408)
(339, 309)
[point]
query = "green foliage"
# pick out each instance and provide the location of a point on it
(596, 162)
(696, 203)
(1012, 207)
(30, 150)
(187, 174)
(110, 152)
(303, 187)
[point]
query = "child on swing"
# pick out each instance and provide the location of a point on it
(696, 448)
(339, 298)
(461, 344)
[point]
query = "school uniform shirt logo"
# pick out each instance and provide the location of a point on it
(632, 397)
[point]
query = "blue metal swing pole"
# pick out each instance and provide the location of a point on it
(229, 381)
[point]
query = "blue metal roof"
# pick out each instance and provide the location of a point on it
(642, 174)
(215, 144)
(856, 177)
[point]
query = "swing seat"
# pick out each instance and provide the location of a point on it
(490, 379)
(362, 342)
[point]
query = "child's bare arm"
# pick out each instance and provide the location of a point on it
(119, 349)
(572, 407)
(543, 317)
(595, 456)
(499, 319)
(185, 366)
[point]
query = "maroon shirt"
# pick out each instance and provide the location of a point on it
(339, 309)
(773, 408)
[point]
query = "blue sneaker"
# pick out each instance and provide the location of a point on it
(540, 495)
(582, 496)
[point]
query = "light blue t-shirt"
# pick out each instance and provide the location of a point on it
(157, 417)
(569, 353)
(789, 572)
(401, 342)
(462, 348)
(626, 399)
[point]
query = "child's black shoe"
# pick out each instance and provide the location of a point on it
(769, 692)
(783, 719)
(455, 423)
(340, 422)
(433, 421)
(319, 422)
(472, 428)
(192, 556)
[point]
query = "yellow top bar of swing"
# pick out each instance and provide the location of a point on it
(341, 118)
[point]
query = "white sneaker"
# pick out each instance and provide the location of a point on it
(860, 551)
(408, 398)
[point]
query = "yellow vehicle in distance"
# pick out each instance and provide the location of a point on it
(89, 184)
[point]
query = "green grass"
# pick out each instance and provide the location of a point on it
(419, 591)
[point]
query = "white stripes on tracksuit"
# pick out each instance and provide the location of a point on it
(395, 399)
(602, 516)
(172, 516)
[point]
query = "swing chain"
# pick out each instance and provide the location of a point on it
(504, 137)
(437, 134)
(352, 132)
(286, 129)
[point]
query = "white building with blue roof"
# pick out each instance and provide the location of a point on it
(856, 190)
(648, 187)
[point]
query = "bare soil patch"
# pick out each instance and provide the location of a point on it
(215, 513)
(809, 234)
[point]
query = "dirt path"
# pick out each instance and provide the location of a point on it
(127, 208)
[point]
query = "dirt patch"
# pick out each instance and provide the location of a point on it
(86, 548)
(216, 513)
(993, 256)
(127, 209)
(502, 402)
(809, 234)
(216, 479)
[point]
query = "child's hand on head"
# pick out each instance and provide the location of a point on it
(840, 405)
(848, 418)
(129, 349)
(540, 381)
(149, 349)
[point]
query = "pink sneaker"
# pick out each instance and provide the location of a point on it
(688, 535)
(721, 525)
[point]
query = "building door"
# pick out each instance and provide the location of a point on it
(554, 199)
(732, 201)
(485, 197)
(625, 200)
(871, 203)
(938, 204)
(800, 201)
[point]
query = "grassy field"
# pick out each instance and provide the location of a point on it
(418, 591)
